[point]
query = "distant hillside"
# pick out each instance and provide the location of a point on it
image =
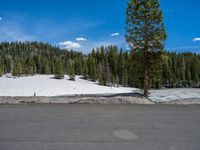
(109, 65)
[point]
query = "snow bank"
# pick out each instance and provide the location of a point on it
(46, 85)
(180, 94)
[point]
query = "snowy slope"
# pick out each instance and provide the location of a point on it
(45, 85)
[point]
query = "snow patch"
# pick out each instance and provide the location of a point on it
(46, 85)
(165, 95)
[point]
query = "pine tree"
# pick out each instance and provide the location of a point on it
(112, 59)
(107, 74)
(1, 71)
(78, 66)
(71, 71)
(121, 67)
(145, 35)
(17, 70)
(85, 69)
(59, 70)
(45, 68)
(183, 70)
(1, 67)
(92, 68)
(30, 66)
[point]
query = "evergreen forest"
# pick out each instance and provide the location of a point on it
(109, 65)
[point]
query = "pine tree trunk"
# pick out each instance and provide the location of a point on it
(146, 84)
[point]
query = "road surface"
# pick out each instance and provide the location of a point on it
(99, 127)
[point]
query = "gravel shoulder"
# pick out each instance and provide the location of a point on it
(80, 99)
(127, 98)
(189, 101)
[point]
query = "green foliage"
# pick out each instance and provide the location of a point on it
(1, 67)
(71, 71)
(181, 70)
(17, 69)
(85, 69)
(145, 34)
(59, 70)
(92, 69)
(1, 71)
(122, 70)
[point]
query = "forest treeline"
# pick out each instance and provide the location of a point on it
(109, 65)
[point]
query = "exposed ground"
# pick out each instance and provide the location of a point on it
(99, 127)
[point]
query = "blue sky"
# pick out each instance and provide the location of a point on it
(84, 24)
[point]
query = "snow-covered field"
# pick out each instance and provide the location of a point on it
(46, 85)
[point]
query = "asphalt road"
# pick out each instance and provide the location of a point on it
(99, 127)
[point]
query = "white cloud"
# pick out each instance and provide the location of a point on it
(196, 39)
(1, 18)
(81, 39)
(70, 44)
(115, 34)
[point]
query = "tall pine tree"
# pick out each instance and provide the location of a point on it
(145, 34)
